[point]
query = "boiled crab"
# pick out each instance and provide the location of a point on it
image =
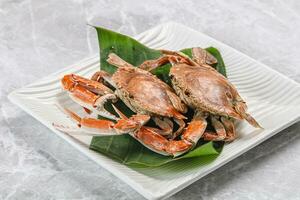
(205, 90)
(146, 95)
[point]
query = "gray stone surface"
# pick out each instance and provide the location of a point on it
(40, 37)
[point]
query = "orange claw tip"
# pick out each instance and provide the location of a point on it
(67, 82)
(73, 115)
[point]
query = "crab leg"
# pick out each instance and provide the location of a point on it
(90, 94)
(150, 65)
(178, 57)
(176, 102)
(115, 60)
(181, 107)
(154, 141)
(241, 107)
(102, 77)
(165, 124)
(201, 56)
(71, 80)
(99, 127)
(220, 133)
(230, 129)
(181, 125)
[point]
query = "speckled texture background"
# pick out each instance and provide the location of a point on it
(40, 37)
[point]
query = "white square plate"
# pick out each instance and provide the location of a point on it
(273, 99)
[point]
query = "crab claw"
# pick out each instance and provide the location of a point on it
(130, 124)
(90, 94)
(133, 123)
(71, 80)
(100, 127)
(151, 138)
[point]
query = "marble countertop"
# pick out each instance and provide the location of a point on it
(40, 37)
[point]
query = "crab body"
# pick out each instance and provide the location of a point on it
(145, 93)
(205, 90)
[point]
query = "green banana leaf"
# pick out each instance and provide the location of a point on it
(124, 148)
(129, 151)
(126, 47)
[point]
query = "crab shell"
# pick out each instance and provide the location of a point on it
(203, 88)
(144, 93)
